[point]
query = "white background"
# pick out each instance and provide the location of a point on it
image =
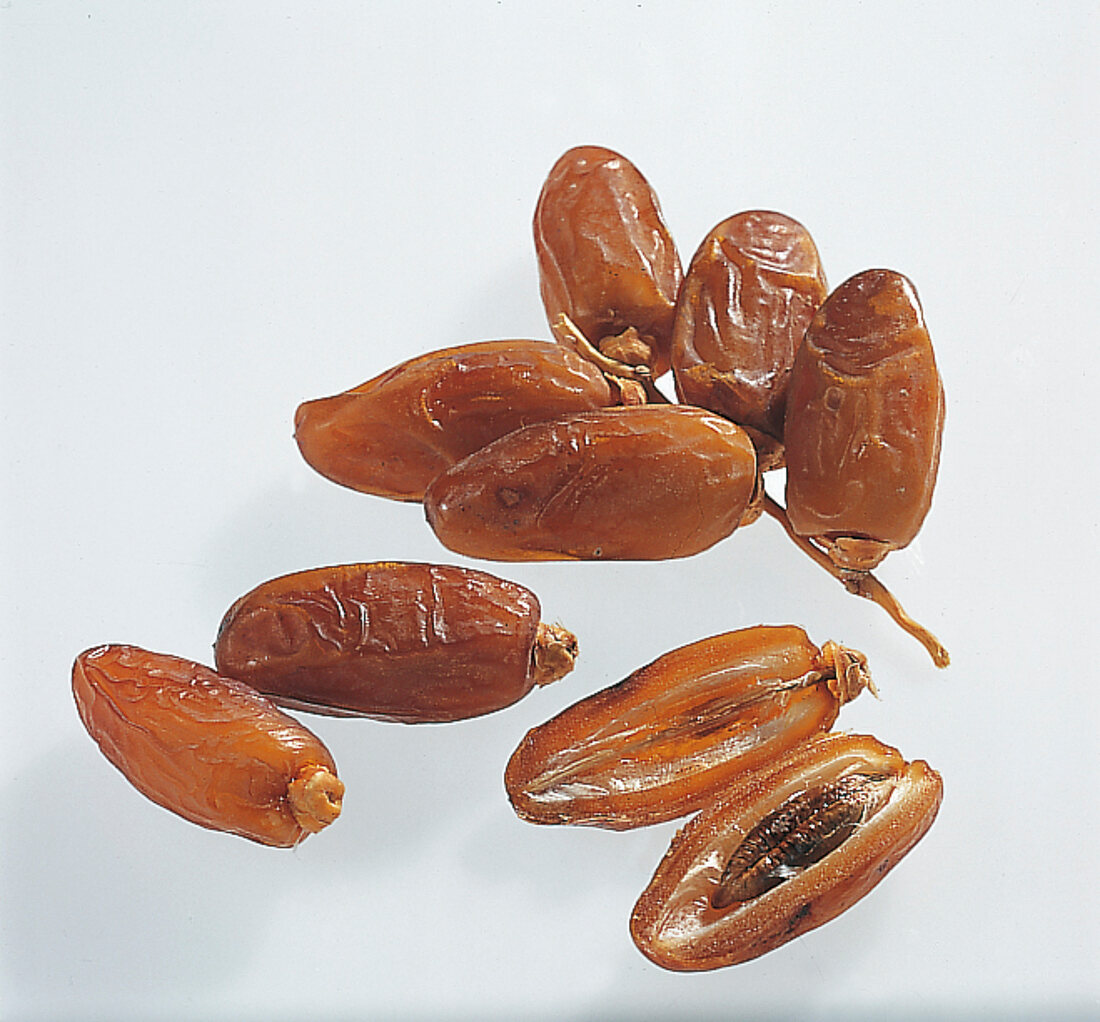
(212, 212)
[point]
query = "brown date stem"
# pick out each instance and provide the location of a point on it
(862, 583)
(565, 329)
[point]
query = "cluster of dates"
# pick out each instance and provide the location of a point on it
(525, 450)
(530, 450)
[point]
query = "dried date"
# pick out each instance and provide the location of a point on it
(394, 641)
(784, 851)
(751, 290)
(606, 258)
(864, 422)
(639, 483)
(392, 435)
(663, 742)
(865, 411)
(208, 748)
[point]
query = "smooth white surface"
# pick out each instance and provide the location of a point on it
(214, 211)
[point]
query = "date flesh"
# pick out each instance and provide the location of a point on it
(638, 483)
(865, 416)
(751, 290)
(606, 258)
(392, 435)
(208, 748)
(394, 641)
(663, 742)
(784, 851)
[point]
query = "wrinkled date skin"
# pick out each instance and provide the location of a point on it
(394, 641)
(606, 258)
(639, 483)
(394, 434)
(668, 739)
(206, 747)
(865, 413)
(748, 297)
(783, 852)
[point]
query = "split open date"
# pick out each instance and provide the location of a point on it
(783, 851)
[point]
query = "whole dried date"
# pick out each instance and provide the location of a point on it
(666, 740)
(638, 483)
(393, 641)
(606, 259)
(750, 292)
(206, 747)
(865, 412)
(784, 851)
(392, 435)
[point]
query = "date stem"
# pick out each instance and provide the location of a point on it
(862, 583)
(569, 333)
(554, 653)
(315, 797)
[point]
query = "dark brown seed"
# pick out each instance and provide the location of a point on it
(802, 831)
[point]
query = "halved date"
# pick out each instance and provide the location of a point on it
(393, 641)
(751, 290)
(666, 740)
(206, 747)
(639, 483)
(784, 851)
(865, 412)
(606, 259)
(394, 434)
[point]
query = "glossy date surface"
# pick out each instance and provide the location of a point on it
(394, 641)
(392, 435)
(639, 483)
(784, 851)
(206, 747)
(667, 740)
(865, 413)
(606, 258)
(751, 290)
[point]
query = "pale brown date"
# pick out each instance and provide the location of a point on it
(206, 747)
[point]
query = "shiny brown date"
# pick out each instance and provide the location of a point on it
(606, 259)
(784, 851)
(394, 641)
(394, 434)
(668, 739)
(750, 292)
(640, 483)
(865, 412)
(206, 747)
